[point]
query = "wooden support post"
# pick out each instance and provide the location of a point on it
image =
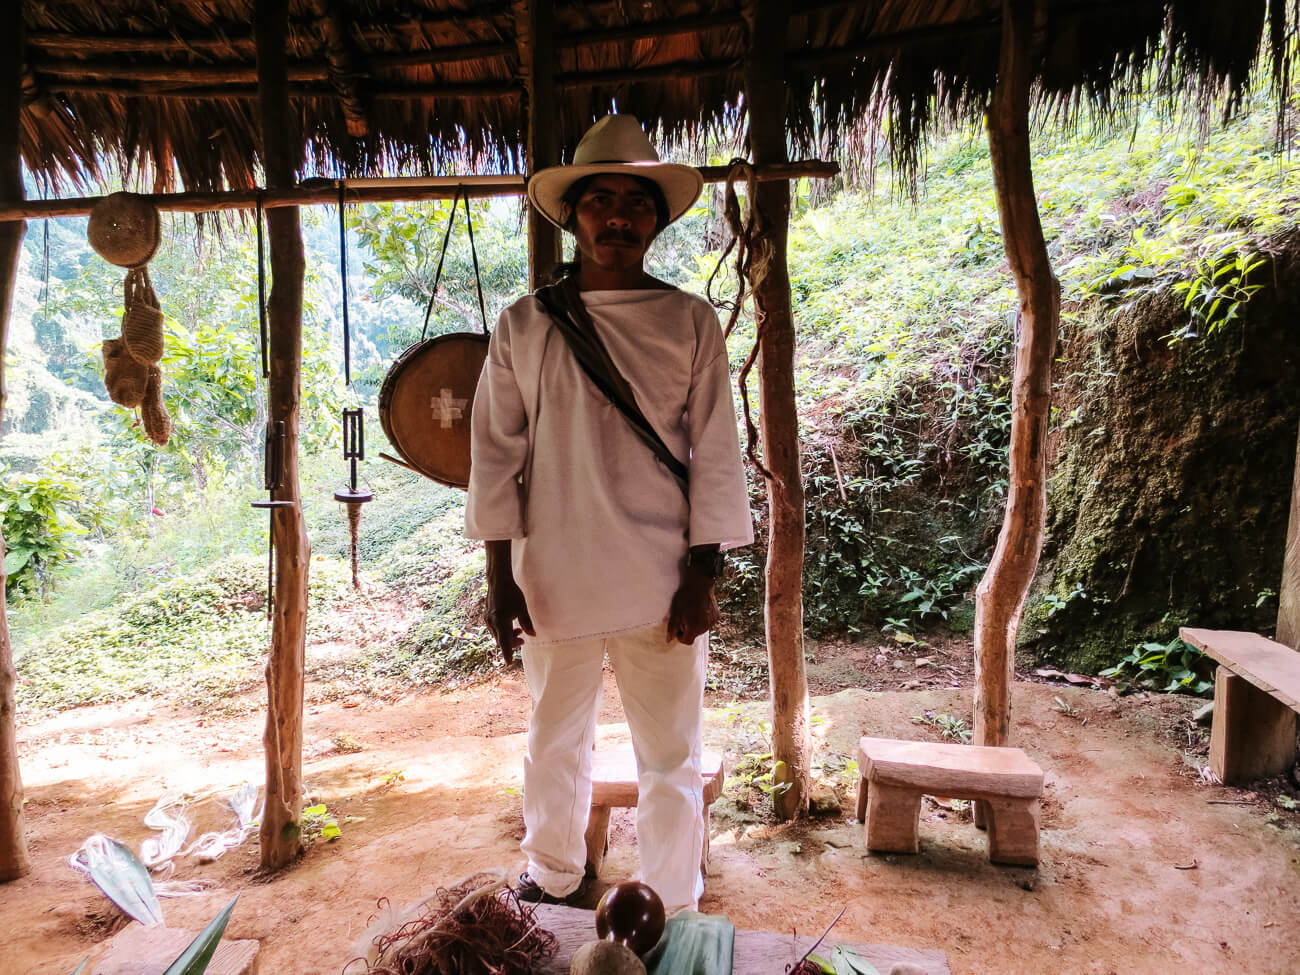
(1253, 735)
(1288, 599)
(1000, 597)
(535, 33)
(280, 834)
(765, 97)
(14, 861)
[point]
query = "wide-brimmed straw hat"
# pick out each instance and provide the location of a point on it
(618, 145)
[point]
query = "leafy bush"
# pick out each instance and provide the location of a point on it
(1174, 667)
(39, 530)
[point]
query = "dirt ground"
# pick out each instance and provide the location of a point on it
(1145, 866)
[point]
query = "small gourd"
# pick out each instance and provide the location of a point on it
(605, 958)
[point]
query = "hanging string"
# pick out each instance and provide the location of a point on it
(437, 275)
(343, 275)
(45, 295)
(753, 258)
(478, 280)
(261, 291)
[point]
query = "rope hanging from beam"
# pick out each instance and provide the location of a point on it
(753, 257)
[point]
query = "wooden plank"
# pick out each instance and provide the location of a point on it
(140, 950)
(614, 779)
(1272, 667)
(756, 953)
(1253, 735)
(965, 771)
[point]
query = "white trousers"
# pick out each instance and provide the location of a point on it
(662, 688)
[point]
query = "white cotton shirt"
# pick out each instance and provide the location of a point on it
(599, 525)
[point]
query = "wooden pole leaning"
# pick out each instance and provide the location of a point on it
(14, 859)
(1000, 596)
(281, 839)
(765, 97)
(1288, 600)
(535, 29)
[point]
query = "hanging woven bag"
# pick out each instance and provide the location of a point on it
(124, 377)
(142, 322)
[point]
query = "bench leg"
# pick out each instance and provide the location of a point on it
(1013, 831)
(1253, 734)
(597, 839)
(862, 795)
(892, 816)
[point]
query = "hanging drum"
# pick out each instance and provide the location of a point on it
(424, 404)
(425, 401)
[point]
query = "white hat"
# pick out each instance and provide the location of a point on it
(616, 144)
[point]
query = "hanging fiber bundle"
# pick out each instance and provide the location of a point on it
(157, 422)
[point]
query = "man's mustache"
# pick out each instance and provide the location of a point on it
(619, 237)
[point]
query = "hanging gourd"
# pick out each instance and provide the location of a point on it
(126, 229)
(425, 400)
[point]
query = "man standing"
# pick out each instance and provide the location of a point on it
(594, 545)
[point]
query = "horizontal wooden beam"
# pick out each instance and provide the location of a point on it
(674, 69)
(246, 72)
(221, 37)
(493, 89)
(377, 190)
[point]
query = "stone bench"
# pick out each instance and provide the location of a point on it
(893, 775)
(614, 783)
(1256, 697)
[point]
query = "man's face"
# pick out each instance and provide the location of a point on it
(615, 222)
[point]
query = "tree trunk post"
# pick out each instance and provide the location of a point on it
(535, 31)
(765, 96)
(14, 860)
(1288, 593)
(1000, 597)
(281, 837)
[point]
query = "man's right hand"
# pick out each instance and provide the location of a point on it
(505, 602)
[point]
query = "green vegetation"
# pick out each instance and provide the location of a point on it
(136, 569)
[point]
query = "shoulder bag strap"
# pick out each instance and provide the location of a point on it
(564, 304)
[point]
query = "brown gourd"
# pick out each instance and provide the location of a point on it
(606, 958)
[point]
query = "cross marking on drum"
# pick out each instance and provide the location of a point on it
(446, 408)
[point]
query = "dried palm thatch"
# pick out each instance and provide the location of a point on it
(165, 89)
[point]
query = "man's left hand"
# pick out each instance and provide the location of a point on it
(694, 609)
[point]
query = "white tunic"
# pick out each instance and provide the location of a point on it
(599, 525)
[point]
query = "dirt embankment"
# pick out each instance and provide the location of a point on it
(1172, 467)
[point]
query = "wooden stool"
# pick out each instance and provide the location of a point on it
(893, 775)
(613, 783)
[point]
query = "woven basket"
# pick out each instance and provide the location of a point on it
(157, 424)
(142, 323)
(124, 378)
(125, 229)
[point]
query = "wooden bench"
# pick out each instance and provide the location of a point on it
(1256, 697)
(613, 783)
(893, 775)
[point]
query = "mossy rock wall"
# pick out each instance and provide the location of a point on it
(1171, 474)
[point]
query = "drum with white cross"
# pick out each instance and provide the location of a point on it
(425, 401)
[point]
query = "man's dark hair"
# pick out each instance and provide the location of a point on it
(573, 194)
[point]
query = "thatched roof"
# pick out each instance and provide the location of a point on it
(416, 86)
